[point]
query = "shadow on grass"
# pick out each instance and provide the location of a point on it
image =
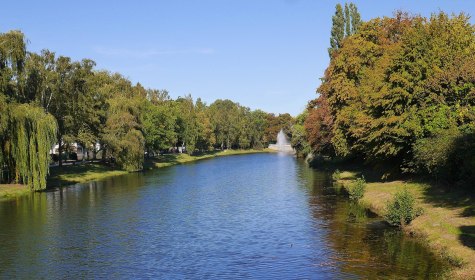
(435, 195)
(467, 237)
(382, 172)
(456, 198)
(71, 174)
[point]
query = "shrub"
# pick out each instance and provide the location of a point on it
(357, 189)
(402, 209)
(336, 175)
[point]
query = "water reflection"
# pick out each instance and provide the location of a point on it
(363, 244)
(254, 216)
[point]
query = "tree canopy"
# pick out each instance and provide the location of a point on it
(401, 90)
(47, 98)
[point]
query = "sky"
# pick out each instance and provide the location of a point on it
(264, 54)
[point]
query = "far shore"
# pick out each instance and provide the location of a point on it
(89, 171)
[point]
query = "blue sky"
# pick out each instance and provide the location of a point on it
(266, 55)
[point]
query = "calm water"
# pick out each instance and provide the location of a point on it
(262, 216)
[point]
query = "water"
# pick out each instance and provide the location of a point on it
(262, 216)
(282, 144)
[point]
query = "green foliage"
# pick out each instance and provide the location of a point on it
(26, 131)
(401, 210)
(338, 30)
(344, 23)
(275, 124)
(357, 189)
(25, 149)
(235, 126)
(158, 126)
(432, 154)
(336, 175)
(355, 18)
(47, 99)
(12, 62)
(299, 136)
(399, 90)
(123, 135)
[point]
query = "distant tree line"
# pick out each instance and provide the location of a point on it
(47, 99)
(400, 92)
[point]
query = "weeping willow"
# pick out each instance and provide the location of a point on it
(3, 131)
(25, 147)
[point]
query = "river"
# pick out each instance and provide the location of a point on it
(260, 216)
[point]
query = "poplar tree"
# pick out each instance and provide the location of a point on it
(338, 30)
(344, 23)
(348, 29)
(355, 18)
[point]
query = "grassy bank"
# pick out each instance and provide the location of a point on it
(9, 191)
(72, 174)
(173, 159)
(447, 225)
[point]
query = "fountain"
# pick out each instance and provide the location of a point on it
(283, 144)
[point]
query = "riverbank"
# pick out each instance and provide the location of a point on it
(9, 191)
(81, 173)
(73, 174)
(173, 159)
(447, 225)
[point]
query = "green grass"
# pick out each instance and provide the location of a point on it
(173, 159)
(447, 225)
(72, 174)
(9, 191)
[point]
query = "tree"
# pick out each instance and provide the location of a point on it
(344, 23)
(123, 135)
(224, 115)
(12, 62)
(276, 123)
(45, 96)
(258, 119)
(348, 30)
(26, 147)
(318, 126)
(337, 31)
(159, 121)
(26, 131)
(205, 138)
(187, 127)
(299, 136)
(355, 19)
(401, 91)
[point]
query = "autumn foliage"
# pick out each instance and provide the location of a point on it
(402, 89)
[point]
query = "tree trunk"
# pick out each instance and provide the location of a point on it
(104, 152)
(60, 151)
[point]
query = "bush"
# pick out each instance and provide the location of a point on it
(402, 209)
(336, 175)
(357, 189)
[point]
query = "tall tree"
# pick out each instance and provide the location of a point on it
(12, 62)
(26, 131)
(123, 133)
(338, 30)
(355, 18)
(344, 23)
(187, 127)
(348, 30)
(205, 138)
(159, 121)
